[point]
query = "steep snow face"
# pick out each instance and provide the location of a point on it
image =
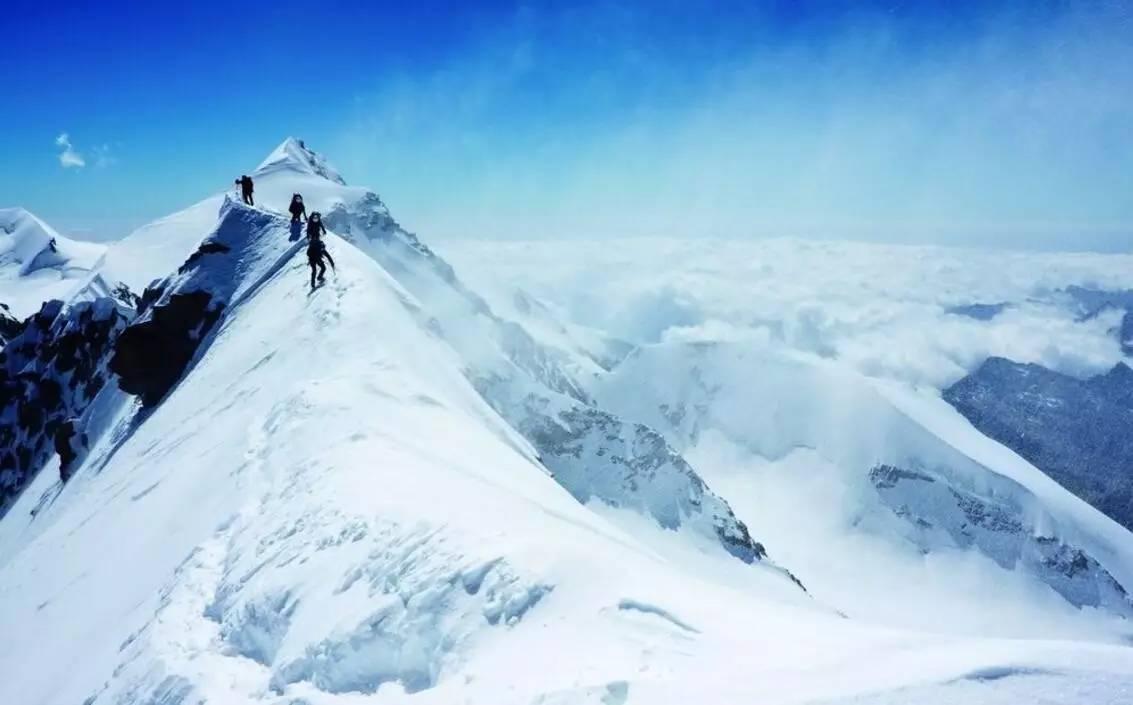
(293, 154)
(550, 325)
(38, 264)
(1076, 431)
(324, 510)
(534, 383)
(885, 473)
(177, 313)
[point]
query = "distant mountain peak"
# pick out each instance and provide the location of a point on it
(37, 263)
(294, 154)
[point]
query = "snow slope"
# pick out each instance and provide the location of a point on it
(778, 432)
(326, 509)
(38, 264)
(534, 383)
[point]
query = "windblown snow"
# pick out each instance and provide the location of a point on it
(401, 487)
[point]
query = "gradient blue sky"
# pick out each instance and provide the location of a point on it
(1006, 123)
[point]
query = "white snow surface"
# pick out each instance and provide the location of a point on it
(325, 510)
(33, 271)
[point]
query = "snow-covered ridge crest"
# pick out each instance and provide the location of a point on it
(534, 383)
(38, 264)
(176, 314)
(35, 245)
(294, 154)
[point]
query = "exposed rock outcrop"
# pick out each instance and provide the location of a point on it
(997, 525)
(177, 314)
(596, 455)
(1076, 431)
(10, 326)
(49, 374)
(152, 354)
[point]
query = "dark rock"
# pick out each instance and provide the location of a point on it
(998, 522)
(176, 314)
(10, 326)
(151, 355)
(1079, 432)
(1125, 333)
(124, 296)
(49, 375)
(150, 296)
(1091, 302)
(980, 312)
(207, 247)
(887, 476)
(594, 454)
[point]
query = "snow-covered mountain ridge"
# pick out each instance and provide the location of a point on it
(386, 490)
(38, 264)
(774, 404)
(1077, 431)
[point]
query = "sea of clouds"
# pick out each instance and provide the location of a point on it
(888, 310)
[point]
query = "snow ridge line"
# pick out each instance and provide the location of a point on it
(265, 277)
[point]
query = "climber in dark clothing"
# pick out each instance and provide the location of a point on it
(316, 248)
(245, 184)
(297, 208)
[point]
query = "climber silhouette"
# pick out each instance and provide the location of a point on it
(316, 248)
(297, 208)
(245, 184)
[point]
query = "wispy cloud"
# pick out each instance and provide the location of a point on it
(103, 156)
(69, 158)
(1004, 130)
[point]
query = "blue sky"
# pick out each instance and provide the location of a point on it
(1006, 123)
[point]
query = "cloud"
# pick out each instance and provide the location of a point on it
(1013, 128)
(882, 309)
(103, 156)
(69, 158)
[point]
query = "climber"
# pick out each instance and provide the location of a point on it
(245, 184)
(297, 208)
(316, 248)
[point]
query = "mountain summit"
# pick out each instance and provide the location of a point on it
(293, 154)
(38, 264)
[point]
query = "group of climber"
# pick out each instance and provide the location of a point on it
(316, 246)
